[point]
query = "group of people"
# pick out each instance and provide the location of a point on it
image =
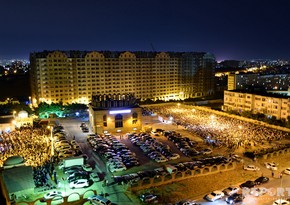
(32, 144)
(219, 130)
(42, 175)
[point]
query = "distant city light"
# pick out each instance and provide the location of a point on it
(112, 112)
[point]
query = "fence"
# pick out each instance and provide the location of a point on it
(181, 175)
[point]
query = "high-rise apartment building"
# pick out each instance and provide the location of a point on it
(74, 76)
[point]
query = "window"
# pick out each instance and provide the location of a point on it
(118, 121)
(105, 121)
(134, 116)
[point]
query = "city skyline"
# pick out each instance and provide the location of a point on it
(238, 30)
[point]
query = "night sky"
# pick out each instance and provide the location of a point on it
(230, 29)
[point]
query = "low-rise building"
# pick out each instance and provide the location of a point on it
(266, 103)
(115, 114)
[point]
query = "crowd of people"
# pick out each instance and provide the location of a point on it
(32, 144)
(219, 130)
(42, 175)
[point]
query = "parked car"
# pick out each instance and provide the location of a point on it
(231, 190)
(206, 151)
(99, 200)
(215, 195)
(117, 168)
(251, 168)
(85, 129)
(258, 191)
(87, 167)
(148, 198)
(53, 194)
(80, 183)
(235, 198)
(236, 157)
(248, 184)
(287, 171)
(174, 156)
(281, 202)
(261, 180)
(271, 165)
(78, 175)
(95, 177)
(186, 202)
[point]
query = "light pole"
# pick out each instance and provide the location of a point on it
(51, 140)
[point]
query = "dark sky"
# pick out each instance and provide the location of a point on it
(230, 29)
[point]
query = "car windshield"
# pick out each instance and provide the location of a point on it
(214, 194)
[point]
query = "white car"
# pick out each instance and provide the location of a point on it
(95, 177)
(271, 165)
(87, 167)
(287, 171)
(215, 195)
(258, 191)
(117, 168)
(161, 159)
(80, 183)
(236, 157)
(281, 202)
(53, 194)
(251, 168)
(231, 190)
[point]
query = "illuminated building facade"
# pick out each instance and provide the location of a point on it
(115, 114)
(270, 105)
(244, 81)
(75, 76)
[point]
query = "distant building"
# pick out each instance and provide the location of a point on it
(250, 81)
(268, 104)
(75, 76)
(115, 114)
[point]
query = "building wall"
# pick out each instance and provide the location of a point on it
(98, 123)
(74, 76)
(268, 105)
(232, 82)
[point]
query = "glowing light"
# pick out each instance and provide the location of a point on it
(112, 112)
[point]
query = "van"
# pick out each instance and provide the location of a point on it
(99, 200)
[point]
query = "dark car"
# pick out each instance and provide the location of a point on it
(148, 198)
(85, 129)
(235, 198)
(248, 184)
(261, 180)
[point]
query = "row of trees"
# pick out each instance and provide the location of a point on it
(45, 110)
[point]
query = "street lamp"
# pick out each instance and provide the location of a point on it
(51, 140)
